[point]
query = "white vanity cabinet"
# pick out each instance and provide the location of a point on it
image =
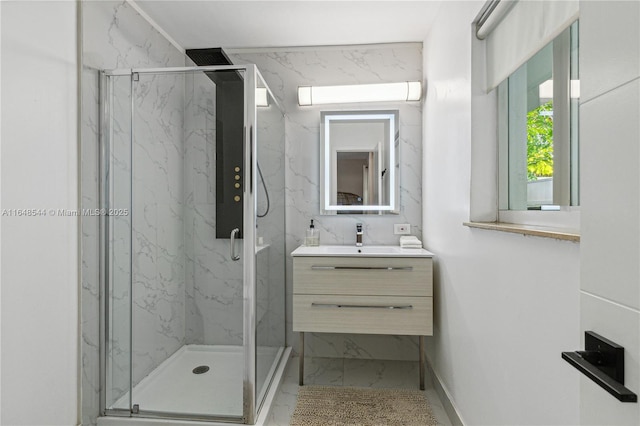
(368, 290)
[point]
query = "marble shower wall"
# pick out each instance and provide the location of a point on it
(116, 36)
(158, 223)
(214, 308)
(284, 70)
(214, 284)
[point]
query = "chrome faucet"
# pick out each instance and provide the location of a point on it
(358, 235)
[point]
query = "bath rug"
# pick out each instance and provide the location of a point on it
(347, 406)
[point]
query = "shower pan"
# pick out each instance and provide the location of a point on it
(192, 245)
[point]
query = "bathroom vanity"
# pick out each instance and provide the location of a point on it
(368, 290)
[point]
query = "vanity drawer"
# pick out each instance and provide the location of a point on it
(363, 314)
(378, 276)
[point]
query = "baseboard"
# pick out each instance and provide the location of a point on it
(445, 397)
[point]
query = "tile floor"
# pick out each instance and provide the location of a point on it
(350, 372)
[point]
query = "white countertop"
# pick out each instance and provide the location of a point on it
(364, 251)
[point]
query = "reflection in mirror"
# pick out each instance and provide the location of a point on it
(359, 162)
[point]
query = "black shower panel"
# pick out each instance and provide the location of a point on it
(229, 140)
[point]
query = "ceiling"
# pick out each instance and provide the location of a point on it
(257, 24)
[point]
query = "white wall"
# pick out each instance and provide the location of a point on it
(610, 195)
(506, 305)
(39, 254)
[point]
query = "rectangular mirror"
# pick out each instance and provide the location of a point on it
(359, 162)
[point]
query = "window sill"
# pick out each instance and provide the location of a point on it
(536, 231)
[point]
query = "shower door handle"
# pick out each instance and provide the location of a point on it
(232, 245)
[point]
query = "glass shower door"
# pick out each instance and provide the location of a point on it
(174, 173)
(188, 265)
(194, 257)
(270, 238)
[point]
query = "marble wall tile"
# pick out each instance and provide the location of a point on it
(381, 374)
(284, 70)
(368, 346)
(214, 284)
(218, 298)
(158, 225)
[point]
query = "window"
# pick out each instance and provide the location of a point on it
(508, 99)
(538, 165)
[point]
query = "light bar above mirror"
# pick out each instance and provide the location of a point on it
(355, 93)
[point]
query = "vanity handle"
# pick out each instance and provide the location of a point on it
(333, 305)
(385, 268)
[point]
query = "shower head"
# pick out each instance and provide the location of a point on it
(209, 56)
(214, 56)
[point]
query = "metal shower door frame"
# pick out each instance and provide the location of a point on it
(249, 223)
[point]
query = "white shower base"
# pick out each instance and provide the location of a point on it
(173, 388)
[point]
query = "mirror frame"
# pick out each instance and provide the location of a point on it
(326, 118)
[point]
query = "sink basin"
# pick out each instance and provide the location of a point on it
(365, 251)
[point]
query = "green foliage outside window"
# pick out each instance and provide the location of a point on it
(540, 142)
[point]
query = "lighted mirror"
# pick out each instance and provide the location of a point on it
(359, 170)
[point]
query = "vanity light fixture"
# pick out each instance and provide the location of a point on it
(353, 93)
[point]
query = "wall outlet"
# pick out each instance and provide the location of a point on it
(401, 229)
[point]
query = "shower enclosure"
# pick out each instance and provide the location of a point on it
(192, 240)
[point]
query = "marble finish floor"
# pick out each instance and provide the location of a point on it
(350, 372)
